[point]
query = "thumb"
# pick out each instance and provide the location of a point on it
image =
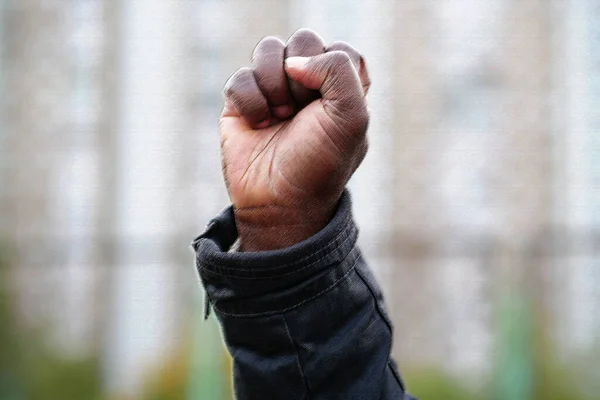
(335, 77)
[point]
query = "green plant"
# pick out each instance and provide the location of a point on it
(29, 368)
(433, 384)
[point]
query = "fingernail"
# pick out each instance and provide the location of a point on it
(282, 112)
(262, 124)
(296, 62)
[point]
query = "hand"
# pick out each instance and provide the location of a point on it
(293, 131)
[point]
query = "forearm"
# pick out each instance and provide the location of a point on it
(304, 321)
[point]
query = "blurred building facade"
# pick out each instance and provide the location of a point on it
(580, 197)
(483, 177)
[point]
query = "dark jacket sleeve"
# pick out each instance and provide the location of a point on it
(305, 322)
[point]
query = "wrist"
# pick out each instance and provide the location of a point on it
(272, 227)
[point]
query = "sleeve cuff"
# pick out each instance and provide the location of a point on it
(267, 282)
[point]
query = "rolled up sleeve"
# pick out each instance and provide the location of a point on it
(305, 322)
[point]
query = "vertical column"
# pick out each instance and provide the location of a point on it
(527, 62)
(34, 77)
(415, 117)
(149, 124)
(106, 201)
(78, 172)
(581, 301)
(524, 190)
(464, 160)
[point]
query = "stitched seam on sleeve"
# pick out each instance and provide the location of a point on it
(386, 321)
(324, 249)
(262, 314)
(379, 310)
(249, 270)
(304, 378)
(388, 324)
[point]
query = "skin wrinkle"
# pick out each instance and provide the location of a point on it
(273, 187)
(226, 138)
(341, 153)
(316, 151)
(334, 113)
(285, 178)
(258, 154)
(272, 159)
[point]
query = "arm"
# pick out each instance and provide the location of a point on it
(300, 311)
(305, 322)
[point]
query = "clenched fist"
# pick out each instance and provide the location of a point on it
(293, 130)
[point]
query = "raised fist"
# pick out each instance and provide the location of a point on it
(293, 130)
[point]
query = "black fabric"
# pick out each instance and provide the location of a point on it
(305, 322)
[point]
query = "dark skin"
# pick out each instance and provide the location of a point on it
(293, 131)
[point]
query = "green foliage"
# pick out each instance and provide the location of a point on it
(432, 384)
(198, 370)
(554, 380)
(170, 381)
(52, 377)
(9, 338)
(29, 368)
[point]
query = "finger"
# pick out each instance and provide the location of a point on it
(304, 43)
(336, 78)
(241, 91)
(270, 75)
(357, 60)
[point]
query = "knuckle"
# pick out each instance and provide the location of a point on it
(271, 40)
(354, 54)
(305, 33)
(356, 57)
(338, 43)
(305, 42)
(228, 88)
(238, 79)
(267, 44)
(339, 58)
(243, 74)
(342, 46)
(271, 81)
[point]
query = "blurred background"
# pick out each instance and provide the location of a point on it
(479, 202)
